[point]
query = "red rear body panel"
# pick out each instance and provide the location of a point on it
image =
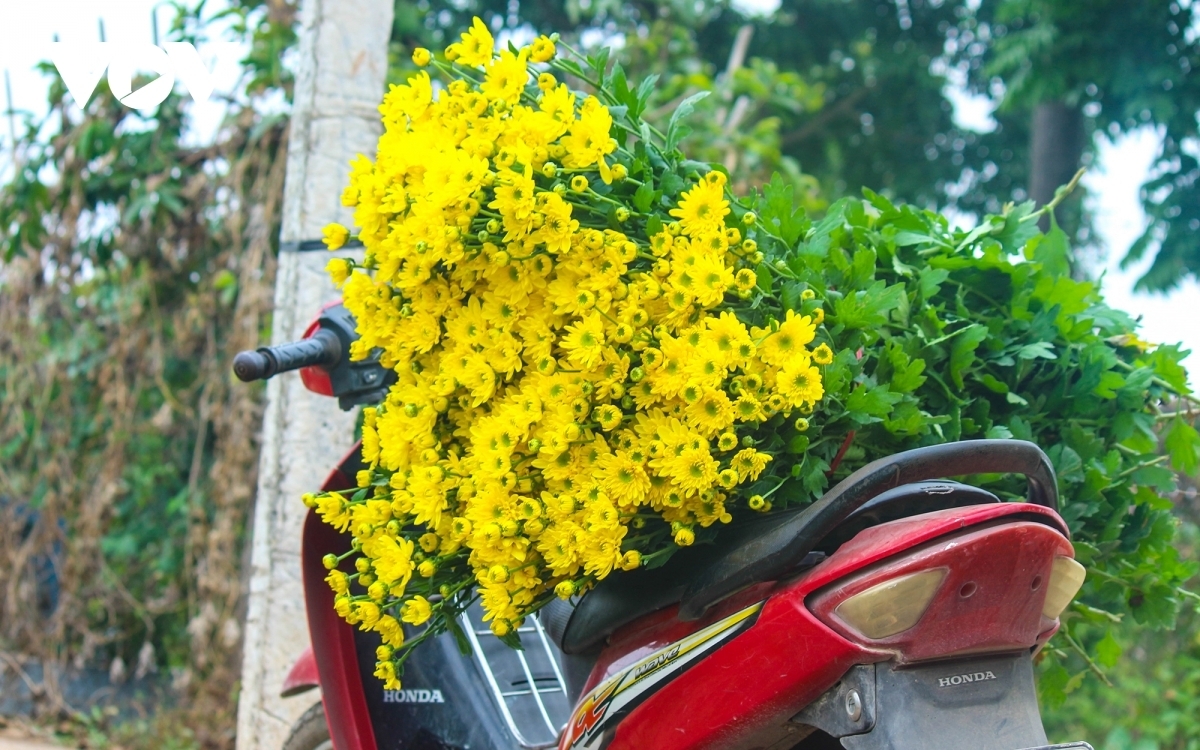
(752, 684)
(788, 647)
(332, 637)
(990, 601)
(303, 675)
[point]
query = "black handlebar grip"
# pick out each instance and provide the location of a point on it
(323, 349)
(251, 365)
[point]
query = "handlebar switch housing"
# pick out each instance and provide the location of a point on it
(353, 382)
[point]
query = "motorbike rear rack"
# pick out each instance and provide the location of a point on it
(528, 685)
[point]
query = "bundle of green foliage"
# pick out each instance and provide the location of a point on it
(950, 334)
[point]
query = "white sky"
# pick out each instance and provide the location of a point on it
(27, 28)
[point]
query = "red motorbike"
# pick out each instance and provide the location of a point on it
(900, 610)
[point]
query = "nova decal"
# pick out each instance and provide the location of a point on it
(603, 708)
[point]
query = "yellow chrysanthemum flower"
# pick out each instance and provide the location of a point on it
(542, 50)
(702, 210)
(335, 236)
(799, 382)
(476, 47)
(584, 342)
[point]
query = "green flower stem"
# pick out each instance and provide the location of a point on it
(1059, 196)
(1083, 652)
(1144, 465)
(451, 70)
(1095, 612)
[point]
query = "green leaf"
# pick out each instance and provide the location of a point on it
(1165, 361)
(839, 373)
(1051, 250)
(675, 130)
(814, 480)
(906, 238)
(460, 638)
(1158, 477)
(763, 272)
(867, 308)
(993, 384)
(1016, 231)
(1183, 443)
(779, 209)
(1042, 349)
(598, 62)
(906, 374)
(999, 432)
(931, 280)
(1052, 686)
(1108, 651)
(962, 351)
(862, 267)
(644, 197)
(1067, 463)
(798, 444)
(871, 402)
(672, 184)
(643, 96)
(789, 296)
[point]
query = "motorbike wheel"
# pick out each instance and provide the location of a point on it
(310, 732)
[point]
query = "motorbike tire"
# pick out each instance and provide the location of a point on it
(310, 732)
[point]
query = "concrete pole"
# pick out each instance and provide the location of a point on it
(340, 81)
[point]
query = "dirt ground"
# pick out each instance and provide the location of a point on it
(16, 737)
(7, 743)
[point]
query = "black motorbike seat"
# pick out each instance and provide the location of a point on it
(583, 627)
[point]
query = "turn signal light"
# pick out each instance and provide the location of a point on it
(896, 605)
(1065, 579)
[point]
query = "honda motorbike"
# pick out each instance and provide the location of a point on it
(900, 610)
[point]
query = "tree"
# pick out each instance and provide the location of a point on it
(133, 266)
(1081, 69)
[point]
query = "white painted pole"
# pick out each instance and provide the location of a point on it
(340, 81)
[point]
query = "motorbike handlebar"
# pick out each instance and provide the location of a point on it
(323, 349)
(772, 555)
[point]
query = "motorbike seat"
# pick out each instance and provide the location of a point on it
(625, 596)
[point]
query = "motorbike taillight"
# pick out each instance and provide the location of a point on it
(987, 589)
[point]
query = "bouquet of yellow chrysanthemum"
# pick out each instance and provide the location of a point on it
(585, 359)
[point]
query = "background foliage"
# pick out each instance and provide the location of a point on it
(136, 264)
